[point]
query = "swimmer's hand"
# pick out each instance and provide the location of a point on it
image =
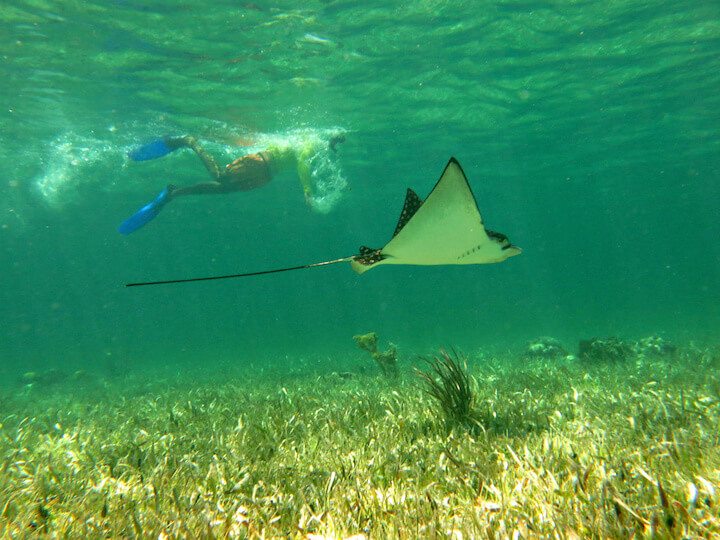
(234, 167)
(335, 140)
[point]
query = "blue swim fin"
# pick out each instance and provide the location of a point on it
(152, 150)
(146, 214)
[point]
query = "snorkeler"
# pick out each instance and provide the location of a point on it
(243, 174)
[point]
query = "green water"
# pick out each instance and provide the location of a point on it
(588, 130)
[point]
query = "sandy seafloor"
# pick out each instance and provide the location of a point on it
(552, 447)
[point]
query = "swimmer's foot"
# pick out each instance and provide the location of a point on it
(180, 142)
(159, 148)
(146, 214)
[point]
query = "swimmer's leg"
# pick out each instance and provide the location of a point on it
(205, 157)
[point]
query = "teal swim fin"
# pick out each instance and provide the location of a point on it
(146, 214)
